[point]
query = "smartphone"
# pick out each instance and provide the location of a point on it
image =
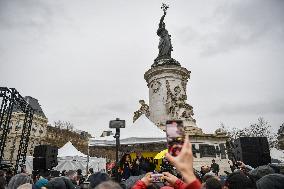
(175, 136)
(238, 163)
(157, 177)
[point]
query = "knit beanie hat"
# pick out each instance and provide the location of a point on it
(238, 181)
(97, 178)
(18, 180)
(261, 171)
(130, 182)
(272, 181)
(41, 182)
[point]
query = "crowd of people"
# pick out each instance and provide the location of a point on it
(138, 166)
(176, 173)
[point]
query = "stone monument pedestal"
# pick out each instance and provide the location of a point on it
(207, 147)
(167, 101)
(167, 95)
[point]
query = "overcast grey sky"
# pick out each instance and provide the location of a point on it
(85, 60)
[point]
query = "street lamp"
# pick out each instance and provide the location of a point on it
(117, 124)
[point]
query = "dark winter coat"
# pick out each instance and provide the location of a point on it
(60, 183)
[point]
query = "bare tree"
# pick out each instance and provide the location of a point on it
(58, 124)
(259, 129)
(222, 126)
(69, 125)
(64, 125)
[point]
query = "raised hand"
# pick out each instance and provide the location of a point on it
(184, 161)
(171, 179)
(147, 179)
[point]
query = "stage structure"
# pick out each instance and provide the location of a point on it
(10, 100)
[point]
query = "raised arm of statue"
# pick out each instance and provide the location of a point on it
(162, 24)
(164, 8)
(165, 45)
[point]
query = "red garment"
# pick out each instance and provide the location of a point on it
(181, 185)
(178, 185)
(139, 185)
(194, 185)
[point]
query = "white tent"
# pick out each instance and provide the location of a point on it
(69, 158)
(68, 150)
(98, 164)
(142, 131)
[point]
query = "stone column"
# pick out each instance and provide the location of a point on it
(167, 94)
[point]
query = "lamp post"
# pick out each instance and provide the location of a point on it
(117, 124)
(117, 144)
(88, 159)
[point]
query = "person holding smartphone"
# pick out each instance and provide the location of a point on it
(183, 163)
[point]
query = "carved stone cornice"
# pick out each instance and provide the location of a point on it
(167, 69)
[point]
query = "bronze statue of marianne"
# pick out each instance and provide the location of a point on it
(165, 45)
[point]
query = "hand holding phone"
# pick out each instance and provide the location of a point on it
(240, 164)
(147, 179)
(184, 162)
(171, 179)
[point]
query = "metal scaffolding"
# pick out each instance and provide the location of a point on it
(11, 100)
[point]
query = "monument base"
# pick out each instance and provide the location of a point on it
(207, 147)
(165, 61)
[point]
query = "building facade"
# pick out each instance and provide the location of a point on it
(41, 133)
(38, 130)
